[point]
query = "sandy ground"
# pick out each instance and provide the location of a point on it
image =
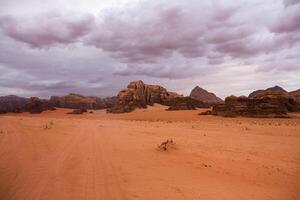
(103, 156)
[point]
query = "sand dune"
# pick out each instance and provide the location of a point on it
(113, 156)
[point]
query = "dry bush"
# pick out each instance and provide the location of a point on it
(164, 146)
(48, 125)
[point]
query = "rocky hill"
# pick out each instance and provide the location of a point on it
(273, 90)
(12, 103)
(185, 103)
(139, 95)
(265, 104)
(77, 101)
(36, 105)
(203, 95)
(296, 94)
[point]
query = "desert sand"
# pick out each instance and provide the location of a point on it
(53, 156)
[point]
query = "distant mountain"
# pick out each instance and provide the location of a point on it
(77, 101)
(203, 95)
(36, 105)
(274, 90)
(12, 103)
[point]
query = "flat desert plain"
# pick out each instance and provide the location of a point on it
(53, 156)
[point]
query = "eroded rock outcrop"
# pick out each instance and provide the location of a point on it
(289, 101)
(272, 90)
(251, 107)
(12, 103)
(203, 95)
(110, 101)
(36, 105)
(295, 94)
(186, 103)
(77, 101)
(139, 95)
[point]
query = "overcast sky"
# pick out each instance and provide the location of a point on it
(95, 47)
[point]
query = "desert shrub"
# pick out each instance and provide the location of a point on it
(48, 125)
(164, 146)
(77, 111)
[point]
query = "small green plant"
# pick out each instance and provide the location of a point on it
(164, 146)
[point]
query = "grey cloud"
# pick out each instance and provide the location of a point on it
(48, 29)
(288, 21)
(176, 43)
(290, 2)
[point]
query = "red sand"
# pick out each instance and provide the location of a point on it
(54, 156)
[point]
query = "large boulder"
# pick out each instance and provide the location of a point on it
(203, 95)
(12, 103)
(251, 107)
(36, 105)
(77, 101)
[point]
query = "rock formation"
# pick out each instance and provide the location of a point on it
(12, 103)
(139, 95)
(110, 101)
(186, 103)
(201, 94)
(251, 107)
(295, 94)
(36, 105)
(77, 101)
(276, 89)
(289, 101)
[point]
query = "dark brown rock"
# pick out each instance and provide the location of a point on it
(295, 94)
(12, 103)
(36, 105)
(77, 101)
(274, 90)
(289, 101)
(110, 101)
(251, 107)
(185, 103)
(201, 94)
